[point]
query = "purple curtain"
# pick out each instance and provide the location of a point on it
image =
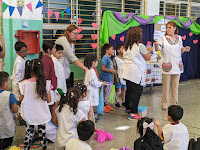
(147, 32)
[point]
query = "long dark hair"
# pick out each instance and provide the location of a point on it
(134, 36)
(149, 141)
(70, 98)
(46, 45)
(35, 67)
(89, 59)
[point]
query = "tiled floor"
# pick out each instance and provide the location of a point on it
(189, 99)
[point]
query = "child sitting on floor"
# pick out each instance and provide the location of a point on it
(85, 105)
(148, 139)
(85, 131)
(175, 134)
(8, 107)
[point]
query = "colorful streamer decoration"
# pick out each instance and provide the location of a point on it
(11, 10)
(68, 11)
(44, 9)
(39, 4)
(20, 9)
(29, 5)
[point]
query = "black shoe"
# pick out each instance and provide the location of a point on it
(117, 105)
(123, 104)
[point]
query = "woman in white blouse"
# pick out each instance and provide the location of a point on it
(171, 47)
(133, 70)
(67, 41)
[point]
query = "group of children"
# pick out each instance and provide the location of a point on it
(35, 84)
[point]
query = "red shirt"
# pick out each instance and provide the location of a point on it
(49, 71)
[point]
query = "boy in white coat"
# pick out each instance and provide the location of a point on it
(19, 66)
(175, 135)
(59, 69)
(91, 80)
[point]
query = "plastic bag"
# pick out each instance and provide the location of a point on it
(100, 107)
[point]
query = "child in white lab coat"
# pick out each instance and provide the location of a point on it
(91, 81)
(59, 69)
(19, 66)
(85, 105)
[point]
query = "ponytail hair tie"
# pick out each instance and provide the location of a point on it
(72, 94)
(38, 63)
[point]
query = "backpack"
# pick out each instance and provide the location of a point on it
(194, 144)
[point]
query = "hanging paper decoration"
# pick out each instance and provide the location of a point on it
(68, 11)
(190, 34)
(122, 38)
(0, 1)
(62, 14)
(29, 5)
(149, 43)
(39, 4)
(56, 15)
(5, 6)
(11, 10)
(113, 37)
(93, 14)
(20, 3)
(50, 12)
(44, 9)
(80, 20)
(94, 36)
(20, 9)
(95, 25)
(80, 29)
(79, 36)
(184, 37)
(195, 41)
(93, 45)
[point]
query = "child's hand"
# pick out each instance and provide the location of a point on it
(117, 80)
(156, 122)
(150, 49)
(103, 83)
(114, 71)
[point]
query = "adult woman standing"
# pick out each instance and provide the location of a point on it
(171, 47)
(133, 70)
(67, 41)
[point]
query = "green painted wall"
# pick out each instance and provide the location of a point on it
(10, 27)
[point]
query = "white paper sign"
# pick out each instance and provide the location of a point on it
(162, 34)
(167, 20)
(162, 21)
(163, 28)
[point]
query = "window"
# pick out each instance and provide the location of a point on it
(84, 9)
(184, 8)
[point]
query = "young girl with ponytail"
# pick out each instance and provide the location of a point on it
(67, 117)
(35, 94)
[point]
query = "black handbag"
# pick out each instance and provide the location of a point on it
(194, 144)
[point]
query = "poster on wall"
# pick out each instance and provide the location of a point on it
(24, 23)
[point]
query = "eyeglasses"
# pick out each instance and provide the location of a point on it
(24, 52)
(75, 33)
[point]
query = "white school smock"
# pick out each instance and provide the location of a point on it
(85, 107)
(77, 144)
(7, 123)
(119, 62)
(18, 69)
(34, 110)
(176, 137)
(134, 67)
(60, 74)
(67, 126)
(92, 83)
(171, 53)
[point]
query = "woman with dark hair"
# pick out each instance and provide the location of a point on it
(171, 47)
(67, 41)
(133, 70)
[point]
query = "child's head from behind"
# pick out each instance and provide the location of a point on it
(35, 68)
(21, 49)
(144, 124)
(120, 48)
(71, 98)
(83, 89)
(108, 49)
(175, 113)
(4, 80)
(91, 61)
(85, 130)
(49, 47)
(59, 51)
